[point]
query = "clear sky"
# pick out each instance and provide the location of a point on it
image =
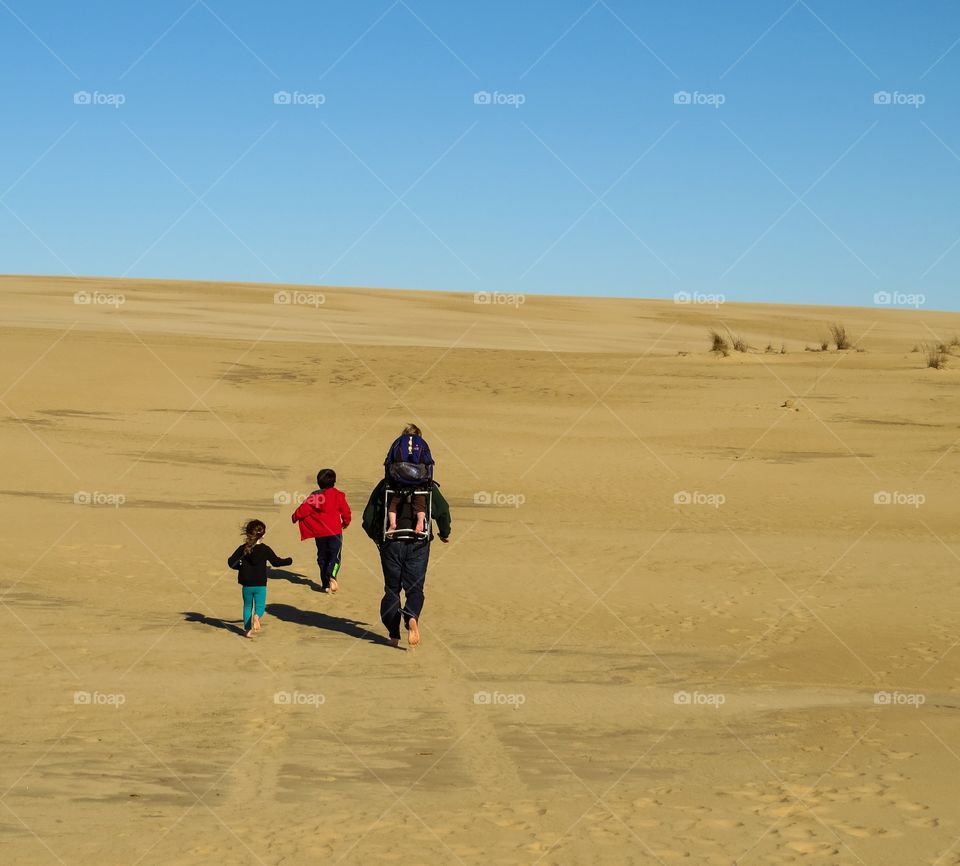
(625, 148)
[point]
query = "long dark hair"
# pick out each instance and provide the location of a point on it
(253, 531)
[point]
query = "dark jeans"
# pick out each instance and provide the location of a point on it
(329, 549)
(404, 565)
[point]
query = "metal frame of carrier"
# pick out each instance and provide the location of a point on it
(407, 534)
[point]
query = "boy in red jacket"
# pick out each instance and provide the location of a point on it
(323, 516)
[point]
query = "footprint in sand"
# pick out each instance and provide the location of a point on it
(925, 823)
(907, 806)
(853, 830)
(821, 849)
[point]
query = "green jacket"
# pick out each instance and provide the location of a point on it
(373, 513)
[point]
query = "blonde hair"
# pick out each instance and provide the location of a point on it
(411, 430)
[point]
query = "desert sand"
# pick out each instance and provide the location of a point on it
(677, 622)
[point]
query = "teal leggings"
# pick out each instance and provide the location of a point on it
(254, 600)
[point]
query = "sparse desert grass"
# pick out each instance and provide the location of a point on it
(738, 343)
(841, 339)
(719, 344)
(935, 356)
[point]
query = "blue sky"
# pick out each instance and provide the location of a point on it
(780, 178)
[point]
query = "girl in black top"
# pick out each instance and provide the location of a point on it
(250, 560)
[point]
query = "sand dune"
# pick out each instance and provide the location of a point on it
(678, 621)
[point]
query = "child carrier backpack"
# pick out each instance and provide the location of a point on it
(409, 462)
(406, 516)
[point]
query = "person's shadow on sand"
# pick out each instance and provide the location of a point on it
(232, 625)
(318, 619)
(293, 577)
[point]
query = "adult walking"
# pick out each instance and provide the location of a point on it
(404, 555)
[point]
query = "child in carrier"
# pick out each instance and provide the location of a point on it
(409, 465)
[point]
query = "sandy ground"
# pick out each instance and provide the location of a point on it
(657, 636)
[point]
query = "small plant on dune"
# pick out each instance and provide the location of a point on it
(719, 344)
(769, 348)
(824, 345)
(954, 343)
(738, 343)
(783, 349)
(936, 358)
(915, 348)
(839, 334)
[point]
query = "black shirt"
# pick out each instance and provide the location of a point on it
(253, 565)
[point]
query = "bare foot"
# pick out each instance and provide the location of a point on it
(413, 633)
(248, 633)
(256, 623)
(395, 642)
(334, 586)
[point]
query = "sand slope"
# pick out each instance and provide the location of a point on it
(581, 600)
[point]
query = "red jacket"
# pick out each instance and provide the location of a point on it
(322, 513)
